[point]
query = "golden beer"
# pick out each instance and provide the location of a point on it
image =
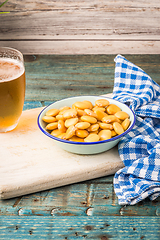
(12, 92)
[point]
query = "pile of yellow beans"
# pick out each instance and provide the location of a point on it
(85, 122)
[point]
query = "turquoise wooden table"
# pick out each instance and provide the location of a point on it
(85, 210)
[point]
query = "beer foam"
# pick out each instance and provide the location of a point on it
(10, 69)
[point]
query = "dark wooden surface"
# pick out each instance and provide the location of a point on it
(86, 210)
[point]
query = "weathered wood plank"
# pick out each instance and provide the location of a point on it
(32, 104)
(84, 46)
(98, 228)
(32, 25)
(88, 210)
(121, 5)
(81, 27)
(91, 198)
(80, 18)
(53, 77)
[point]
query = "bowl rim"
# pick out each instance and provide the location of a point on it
(86, 143)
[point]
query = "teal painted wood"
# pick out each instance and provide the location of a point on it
(31, 104)
(54, 77)
(91, 198)
(97, 228)
(86, 210)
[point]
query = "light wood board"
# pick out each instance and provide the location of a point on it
(31, 161)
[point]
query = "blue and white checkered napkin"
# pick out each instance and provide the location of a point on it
(140, 148)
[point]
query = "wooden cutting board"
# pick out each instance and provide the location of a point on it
(32, 162)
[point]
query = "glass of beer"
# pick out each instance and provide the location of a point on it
(12, 87)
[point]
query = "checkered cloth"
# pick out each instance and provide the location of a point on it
(140, 148)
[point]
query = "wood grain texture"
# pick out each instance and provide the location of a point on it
(82, 27)
(91, 198)
(97, 228)
(90, 209)
(84, 46)
(35, 163)
(53, 77)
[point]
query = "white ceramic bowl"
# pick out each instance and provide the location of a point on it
(85, 147)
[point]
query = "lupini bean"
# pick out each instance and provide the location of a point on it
(92, 137)
(90, 105)
(81, 105)
(125, 124)
(121, 115)
(112, 109)
(64, 108)
(109, 119)
(52, 126)
(106, 126)
(82, 125)
(62, 135)
(56, 132)
(98, 108)
(61, 126)
(90, 113)
(49, 119)
(52, 112)
(71, 121)
(102, 102)
(113, 133)
(93, 127)
(60, 117)
(89, 119)
(100, 114)
(70, 113)
(74, 107)
(104, 134)
(81, 133)
(96, 132)
(70, 132)
(76, 139)
(80, 112)
(118, 128)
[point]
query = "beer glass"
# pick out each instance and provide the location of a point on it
(12, 87)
